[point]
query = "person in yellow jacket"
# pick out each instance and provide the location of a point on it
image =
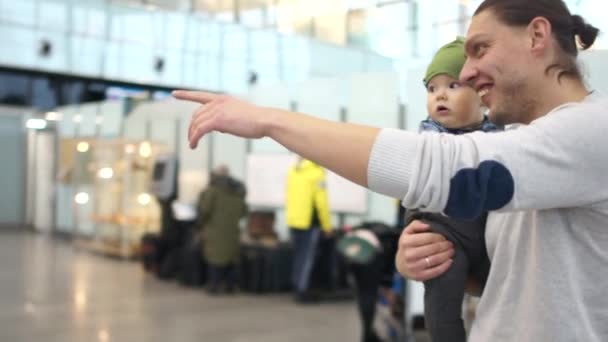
(308, 215)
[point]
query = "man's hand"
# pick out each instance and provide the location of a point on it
(422, 255)
(224, 114)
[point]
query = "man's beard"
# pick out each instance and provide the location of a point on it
(513, 105)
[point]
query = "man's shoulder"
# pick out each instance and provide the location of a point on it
(595, 100)
(590, 114)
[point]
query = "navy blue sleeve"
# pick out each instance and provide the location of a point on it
(475, 191)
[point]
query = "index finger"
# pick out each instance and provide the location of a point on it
(194, 96)
(420, 239)
(417, 226)
(434, 271)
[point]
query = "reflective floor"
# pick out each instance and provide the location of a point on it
(50, 291)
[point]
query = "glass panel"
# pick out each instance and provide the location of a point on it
(18, 12)
(20, 40)
(53, 16)
(86, 55)
(89, 20)
(12, 150)
(234, 76)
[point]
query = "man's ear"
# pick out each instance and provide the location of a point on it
(539, 35)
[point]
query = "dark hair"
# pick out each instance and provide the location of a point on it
(566, 27)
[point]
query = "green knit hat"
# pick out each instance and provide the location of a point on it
(448, 60)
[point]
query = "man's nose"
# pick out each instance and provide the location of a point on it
(468, 73)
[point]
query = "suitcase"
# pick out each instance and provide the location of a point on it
(150, 253)
(170, 266)
(193, 270)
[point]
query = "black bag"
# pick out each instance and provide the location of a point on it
(193, 270)
(170, 266)
(150, 253)
(265, 269)
(251, 268)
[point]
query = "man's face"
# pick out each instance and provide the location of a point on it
(498, 67)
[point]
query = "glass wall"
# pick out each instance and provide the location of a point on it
(394, 28)
(146, 44)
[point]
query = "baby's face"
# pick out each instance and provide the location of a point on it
(452, 104)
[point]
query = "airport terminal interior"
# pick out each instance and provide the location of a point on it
(102, 200)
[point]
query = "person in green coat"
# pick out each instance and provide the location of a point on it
(220, 207)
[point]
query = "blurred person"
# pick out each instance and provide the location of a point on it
(220, 207)
(453, 108)
(369, 251)
(542, 183)
(308, 217)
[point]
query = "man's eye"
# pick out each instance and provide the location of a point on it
(479, 49)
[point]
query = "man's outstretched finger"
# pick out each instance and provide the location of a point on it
(194, 96)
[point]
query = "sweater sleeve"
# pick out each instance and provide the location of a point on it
(559, 160)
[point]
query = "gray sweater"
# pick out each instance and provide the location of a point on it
(546, 188)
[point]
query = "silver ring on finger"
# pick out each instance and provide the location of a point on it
(428, 262)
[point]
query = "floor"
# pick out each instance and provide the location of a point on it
(53, 292)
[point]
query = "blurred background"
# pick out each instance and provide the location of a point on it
(96, 168)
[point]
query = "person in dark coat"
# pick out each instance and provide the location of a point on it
(220, 207)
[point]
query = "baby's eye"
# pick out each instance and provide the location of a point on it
(430, 89)
(454, 85)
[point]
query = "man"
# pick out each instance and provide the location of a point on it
(307, 214)
(544, 183)
(544, 284)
